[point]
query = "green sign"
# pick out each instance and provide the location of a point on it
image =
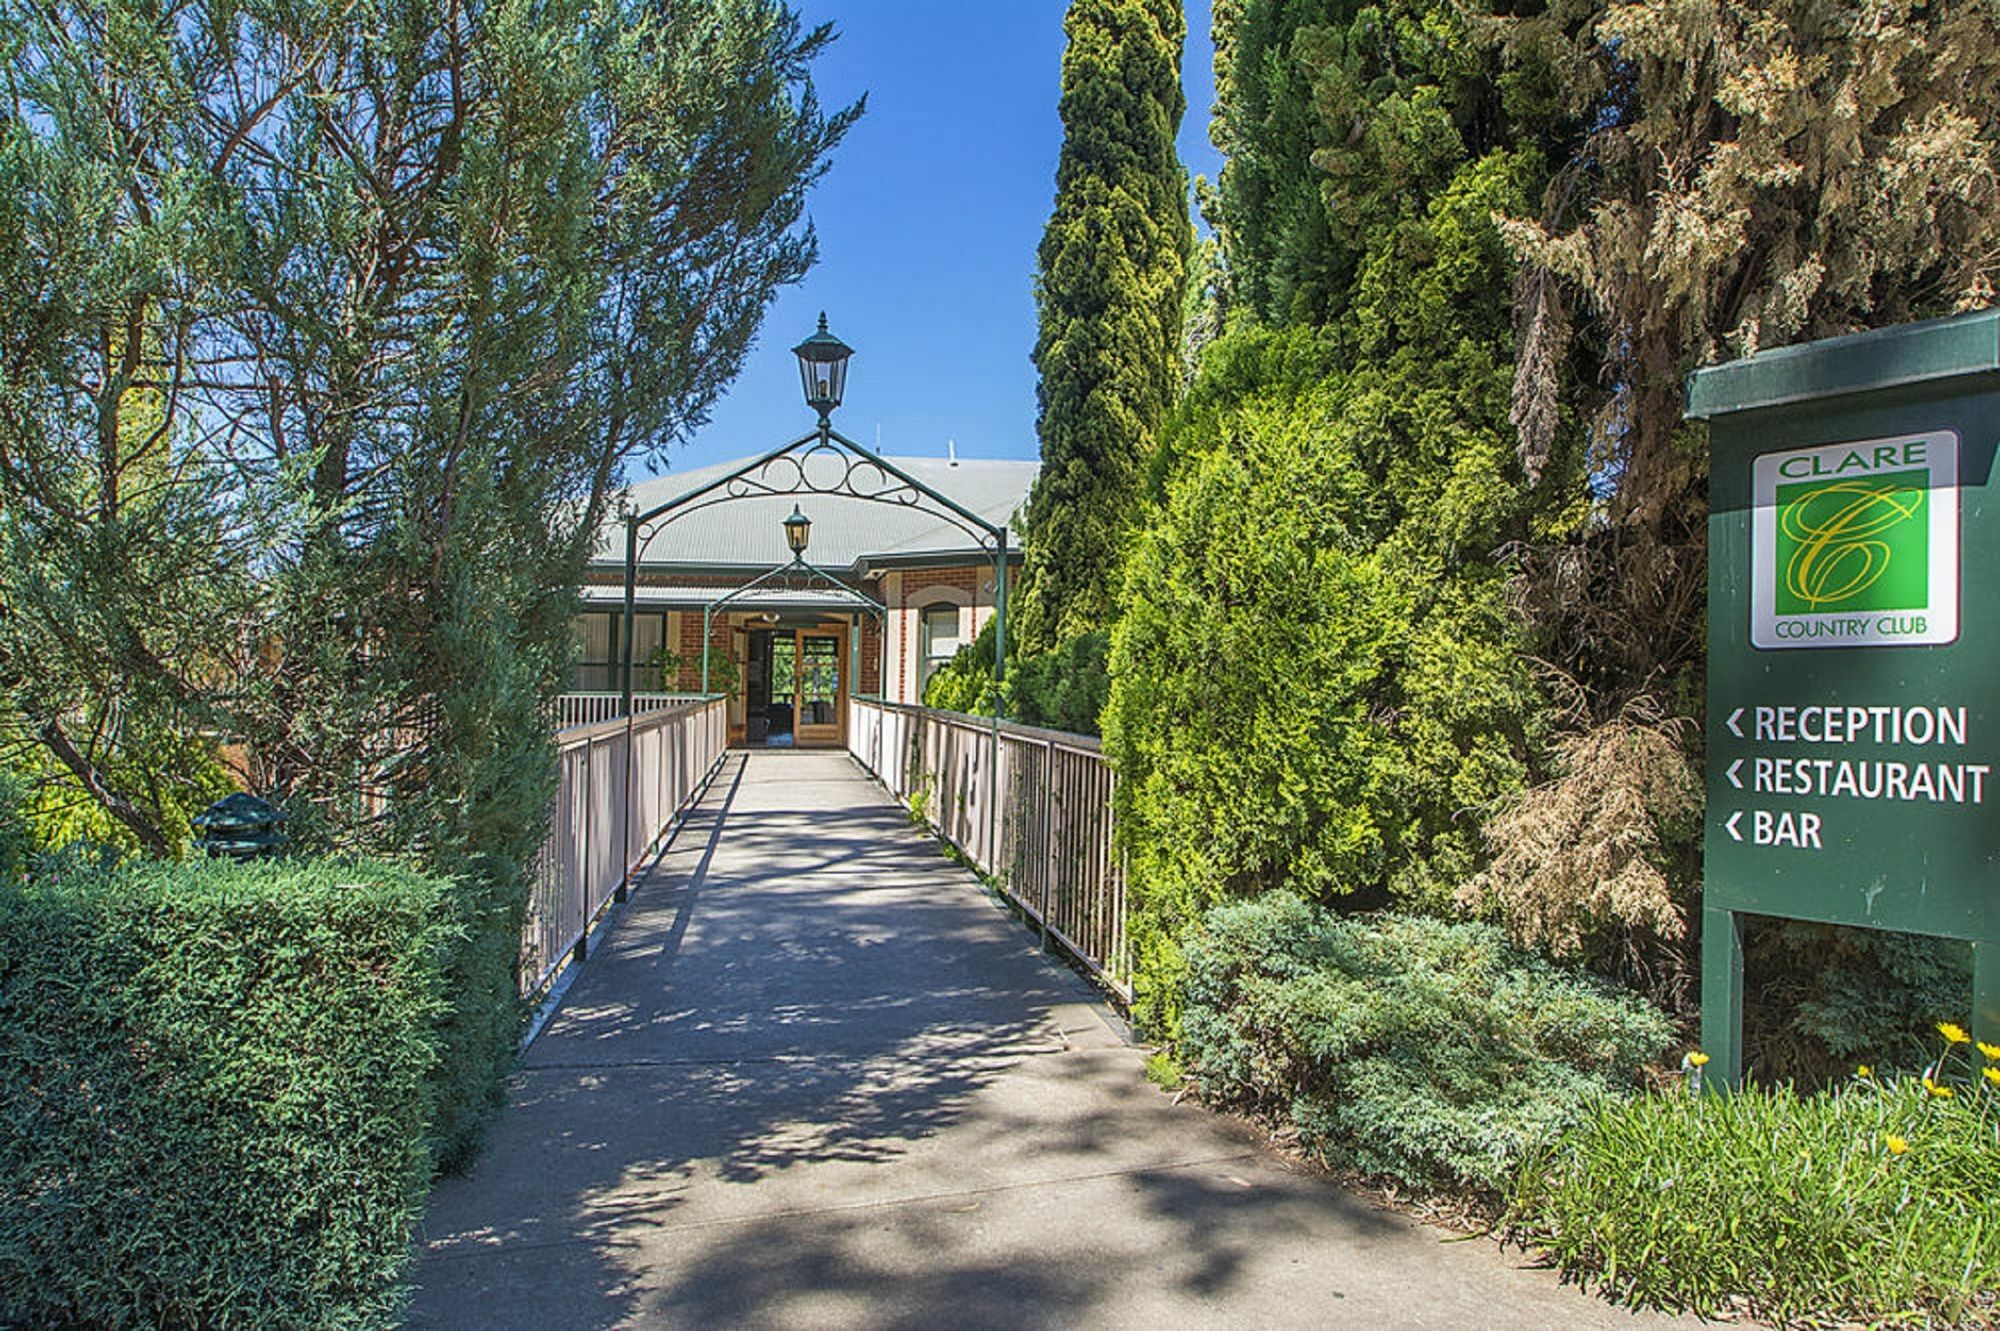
(1854, 653)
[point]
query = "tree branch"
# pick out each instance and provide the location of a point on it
(57, 740)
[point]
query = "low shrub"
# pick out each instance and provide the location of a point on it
(1819, 998)
(1435, 1053)
(1880, 1199)
(216, 1087)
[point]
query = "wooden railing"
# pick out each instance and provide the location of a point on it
(589, 709)
(1030, 808)
(622, 784)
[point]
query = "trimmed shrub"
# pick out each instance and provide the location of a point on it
(1435, 1053)
(1065, 688)
(1880, 1199)
(481, 1029)
(216, 1087)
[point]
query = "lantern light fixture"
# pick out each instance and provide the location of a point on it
(823, 369)
(798, 532)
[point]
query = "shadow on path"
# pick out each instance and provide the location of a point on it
(813, 1077)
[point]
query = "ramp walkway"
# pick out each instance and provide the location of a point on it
(814, 1078)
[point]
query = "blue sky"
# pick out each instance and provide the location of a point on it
(928, 223)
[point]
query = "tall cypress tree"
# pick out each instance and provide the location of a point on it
(1113, 266)
(1315, 675)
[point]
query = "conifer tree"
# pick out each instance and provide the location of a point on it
(323, 333)
(1315, 673)
(1744, 176)
(1286, 262)
(1750, 175)
(1113, 269)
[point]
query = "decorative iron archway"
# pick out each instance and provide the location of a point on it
(803, 573)
(827, 463)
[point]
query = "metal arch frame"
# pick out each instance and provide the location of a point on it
(812, 570)
(864, 475)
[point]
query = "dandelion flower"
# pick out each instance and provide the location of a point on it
(1993, 1075)
(1953, 1033)
(1697, 1059)
(1941, 1092)
(1992, 1051)
(1864, 1072)
(1895, 1144)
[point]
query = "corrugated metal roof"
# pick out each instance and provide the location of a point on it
(846, 532)
(598, 597)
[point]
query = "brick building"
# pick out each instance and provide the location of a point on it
(792, 649)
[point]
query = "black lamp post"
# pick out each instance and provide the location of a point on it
(798, 531)
(823, 370)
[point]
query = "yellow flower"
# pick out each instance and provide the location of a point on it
(1864, 1071)
(1993, 1075)
(1895, 1144)
(1941, 1092)
(1992, 1051)
(1953, 1033)
(1697, 1059)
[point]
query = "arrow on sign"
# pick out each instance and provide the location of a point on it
(1734, 717)
(1734, 779)
(1731, 826)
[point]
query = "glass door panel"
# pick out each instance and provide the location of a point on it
(819, 688)
(783, 688)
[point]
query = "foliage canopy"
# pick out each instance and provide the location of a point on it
(1316, 676)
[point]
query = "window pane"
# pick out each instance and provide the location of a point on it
(940, 630)
(819, 681)
(648, 632)
(784, 677)
(593, 638)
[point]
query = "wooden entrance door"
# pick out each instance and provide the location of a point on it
(822, 693)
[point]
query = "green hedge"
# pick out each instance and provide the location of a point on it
(481, 1030)
(217, 1086)
(1880, 1200)
(1432, 1052)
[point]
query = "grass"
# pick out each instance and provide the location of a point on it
(1877, 1201)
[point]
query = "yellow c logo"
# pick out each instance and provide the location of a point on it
(1839, 532)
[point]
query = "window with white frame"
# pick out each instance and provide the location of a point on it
(941, 638)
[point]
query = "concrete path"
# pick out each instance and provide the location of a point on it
(815, 1078)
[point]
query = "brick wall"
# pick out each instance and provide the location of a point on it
(919, 589)
(870, 671)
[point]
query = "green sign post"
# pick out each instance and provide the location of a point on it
(1854, 649)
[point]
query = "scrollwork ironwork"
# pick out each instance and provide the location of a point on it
(850, 472)
(799, 576)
